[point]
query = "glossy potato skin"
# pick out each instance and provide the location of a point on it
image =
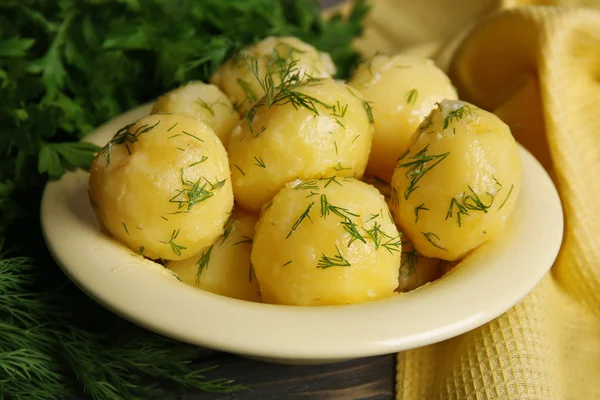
(203, 101)
(237, 81)
(284, 143)
(458, 183)
(404, 90)
(289, 257)
(155, 186)
(224, 267)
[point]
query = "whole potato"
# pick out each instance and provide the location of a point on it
(274, 57)
(330, 136)
(162, 186)
(203, 101)
(224, 267)
(404, 90)
(458, 182)
(324, 242)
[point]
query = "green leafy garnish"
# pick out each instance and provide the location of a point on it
(337, 260)
(417, 166)
(305, 214)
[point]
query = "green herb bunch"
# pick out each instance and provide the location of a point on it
(66, 66)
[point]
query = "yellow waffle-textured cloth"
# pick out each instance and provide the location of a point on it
(538, 68)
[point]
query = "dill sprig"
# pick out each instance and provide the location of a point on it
(124, 136)
(345, 214)
(376, 234)
(432, 238)
(203, 262)
(337, 260)
(194, 192)
(393, 244)
(420, 207)
(417, 166)
(507, 196)
(411, 96)
(259, 162)
(174, 246)
(468, 202)
(458, 114)
(307, 185)
(305, 214)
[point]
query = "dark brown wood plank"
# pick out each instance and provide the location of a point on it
(363, 379)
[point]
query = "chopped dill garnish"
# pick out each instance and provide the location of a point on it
(204, 158)
(123, 136)
(245, 239)
(126, 230)
(305, 214)
(336, 148)
(330, 180)
(141, 251)
(339, 167)
(376, 234)
(250, 272)
(192, 193)
(307, 185)
(394, 197)
(203, 262)
(337, 260)
(287, 263)
(373, 216)
(507, 196)
(174, 136)
(250, 94)
(174, 125)
(393, 244)
(179, 148)
(174, 246)
(419, 208)
(417, 168)
(194, 136)
(165, 218)
(429, 236)
(354, 140)
(259, 162)
(227, 230)
(347, 223)
(411, 96)
(458, 114)
(239, 169)
(208, 107)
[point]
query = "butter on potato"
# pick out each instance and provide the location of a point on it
(324, 242)
(458, 182)
(224, 267)
(328, 134)
(162, 186)
(404, 90)
(272, 55)
(203, 101)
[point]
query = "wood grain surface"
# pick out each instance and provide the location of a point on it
(365, 379)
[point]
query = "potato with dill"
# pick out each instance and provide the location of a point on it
(162, 186)
(325, 242)
(203, 101)
(271, 57)
(404, 90)
(224, 267)
(458, 182)
(300, 130)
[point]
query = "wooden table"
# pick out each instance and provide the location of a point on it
(365, 379)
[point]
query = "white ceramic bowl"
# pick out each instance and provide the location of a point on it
(484, 285)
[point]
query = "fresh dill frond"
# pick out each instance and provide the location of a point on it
(411, 96)
(174, 246)
(507, 196)
(337, 260)
(259, 162)
(305, 214)
(419, 165)
(458, 114)
(432, 238)
(203, 262)
(419, 208)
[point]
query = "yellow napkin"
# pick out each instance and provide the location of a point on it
(538, 68)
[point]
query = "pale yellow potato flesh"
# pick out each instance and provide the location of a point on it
(404, 90)
(162, 186)
(285, 142)
(203, 101)
(305, 254)
(224, 267)
(415, 269)
(241, 85)
(458, 183)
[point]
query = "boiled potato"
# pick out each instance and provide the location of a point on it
(404, 90)
(458, 182)
(331, 136)
(203, 101)
(224, 267)
(415, 269)
(324, 242)
(276, 57)
(162, 186)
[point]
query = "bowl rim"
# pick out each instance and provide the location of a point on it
(487, 283)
